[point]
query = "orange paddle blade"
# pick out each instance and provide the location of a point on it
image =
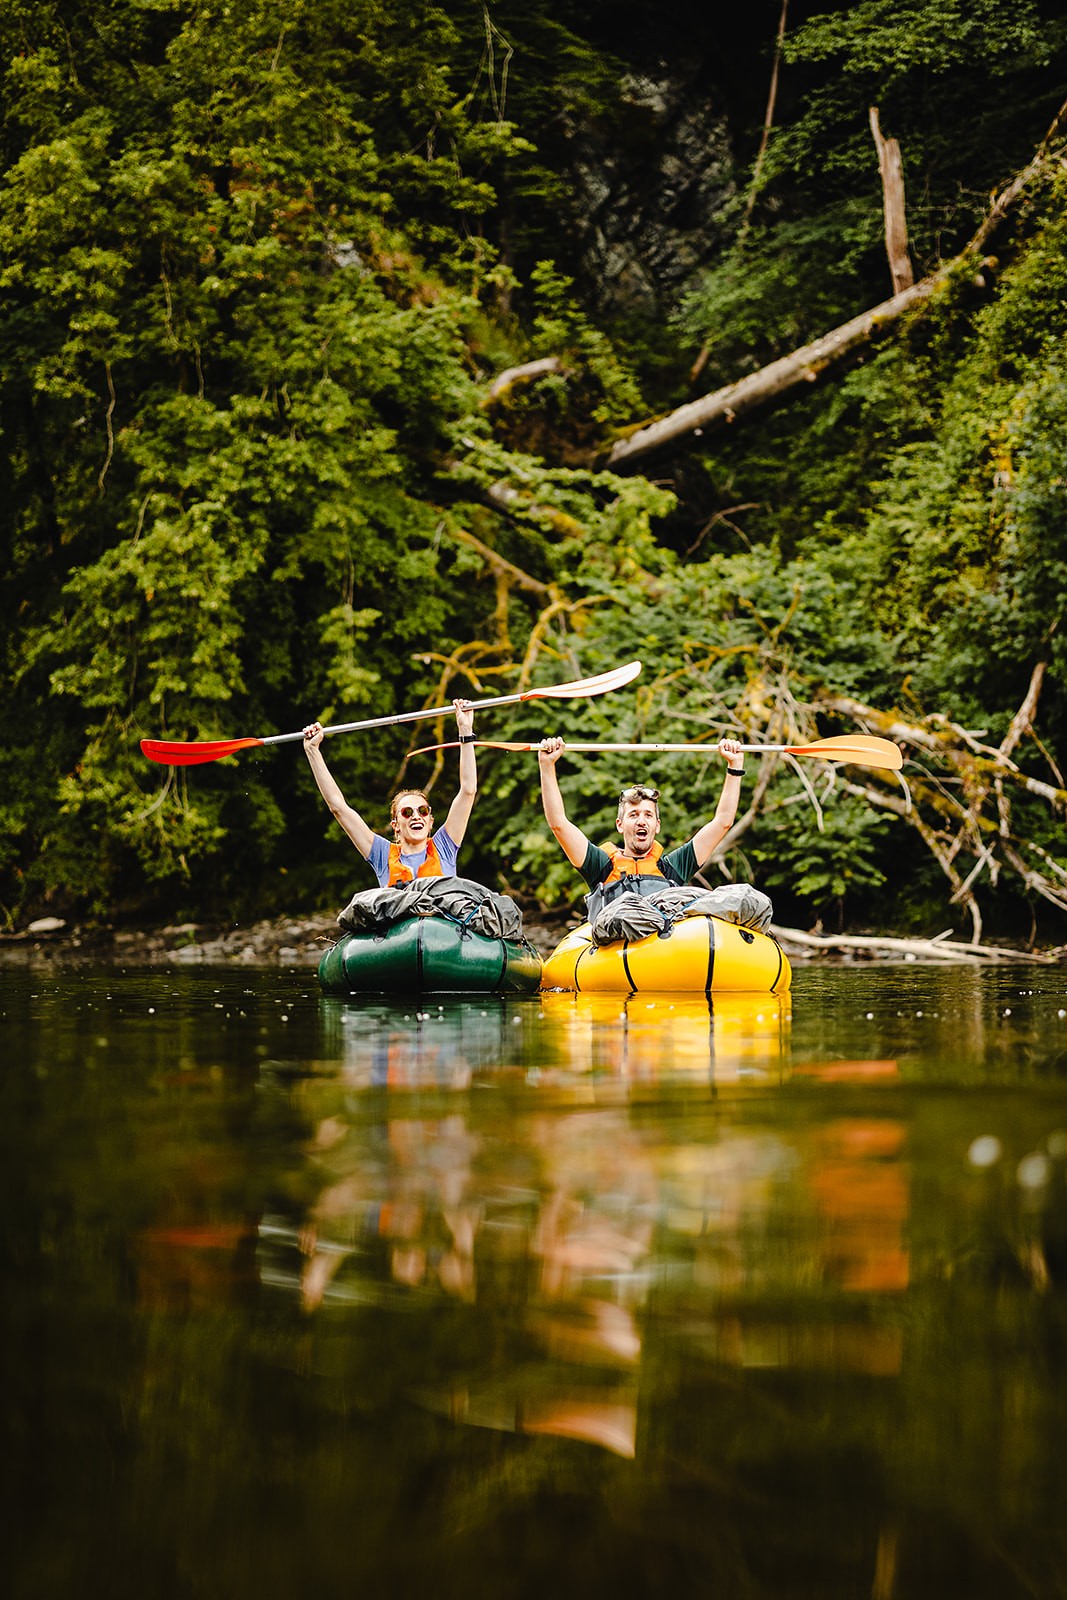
(195, 753)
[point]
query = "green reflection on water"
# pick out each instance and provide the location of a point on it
(483, 1298)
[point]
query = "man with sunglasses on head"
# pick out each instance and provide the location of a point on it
(641, 864)
(416, 850)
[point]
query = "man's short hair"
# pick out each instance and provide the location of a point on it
(635, 794)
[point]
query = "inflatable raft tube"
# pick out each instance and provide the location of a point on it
(699, 955)
(429, 955)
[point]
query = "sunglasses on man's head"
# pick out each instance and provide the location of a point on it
(407, 812)
(637, 792)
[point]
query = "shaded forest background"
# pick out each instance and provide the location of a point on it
(260, 265)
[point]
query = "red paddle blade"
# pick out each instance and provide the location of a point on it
(173, 753)
(617, 678)
(863, 750)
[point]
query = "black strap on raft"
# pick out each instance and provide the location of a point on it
(629, 883)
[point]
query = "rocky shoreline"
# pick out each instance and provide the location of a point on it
(302, 941)
(278, 941)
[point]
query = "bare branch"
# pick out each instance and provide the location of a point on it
(1023, 719)
(110, 430)
(805, 365)
(768, 117)
(505, 381)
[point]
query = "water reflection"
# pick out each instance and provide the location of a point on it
(570, 1229)
(431, 1206)
(560, 1291)
(730, 1038)
(557, 1038)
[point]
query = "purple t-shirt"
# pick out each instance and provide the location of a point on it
(446, 852)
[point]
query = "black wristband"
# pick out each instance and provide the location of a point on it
(466, 738)
(735, 772)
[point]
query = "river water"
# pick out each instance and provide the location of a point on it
(566, 1296)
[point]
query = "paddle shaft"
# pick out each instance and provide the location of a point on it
(856, 749)
(403, 716)
(874, 746)
(711, 749)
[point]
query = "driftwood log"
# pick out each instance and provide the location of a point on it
(942, 948)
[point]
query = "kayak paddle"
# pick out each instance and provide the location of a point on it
(861, 749)
(196, 752)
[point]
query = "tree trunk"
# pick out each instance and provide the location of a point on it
(757, 171)
(896, 220)
(768, 118)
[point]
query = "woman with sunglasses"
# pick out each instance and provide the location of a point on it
(642, 862)
(416, 851)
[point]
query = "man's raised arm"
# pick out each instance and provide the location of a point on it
(708, 838)
(571, 839)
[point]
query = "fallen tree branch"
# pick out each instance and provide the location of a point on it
(990, 759)
(519, 505)
(963, 793)
(505, 381)
(807, 364)
(937, 949)
(1023, 720)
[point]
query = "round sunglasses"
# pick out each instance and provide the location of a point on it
(407, 812)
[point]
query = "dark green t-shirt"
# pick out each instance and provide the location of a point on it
(677, 866)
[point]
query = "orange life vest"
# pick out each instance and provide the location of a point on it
(624, 866)
(400, 872)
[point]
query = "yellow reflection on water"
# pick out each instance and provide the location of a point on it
(731, 1038)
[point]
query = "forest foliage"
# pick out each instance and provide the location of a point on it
(259, 265)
